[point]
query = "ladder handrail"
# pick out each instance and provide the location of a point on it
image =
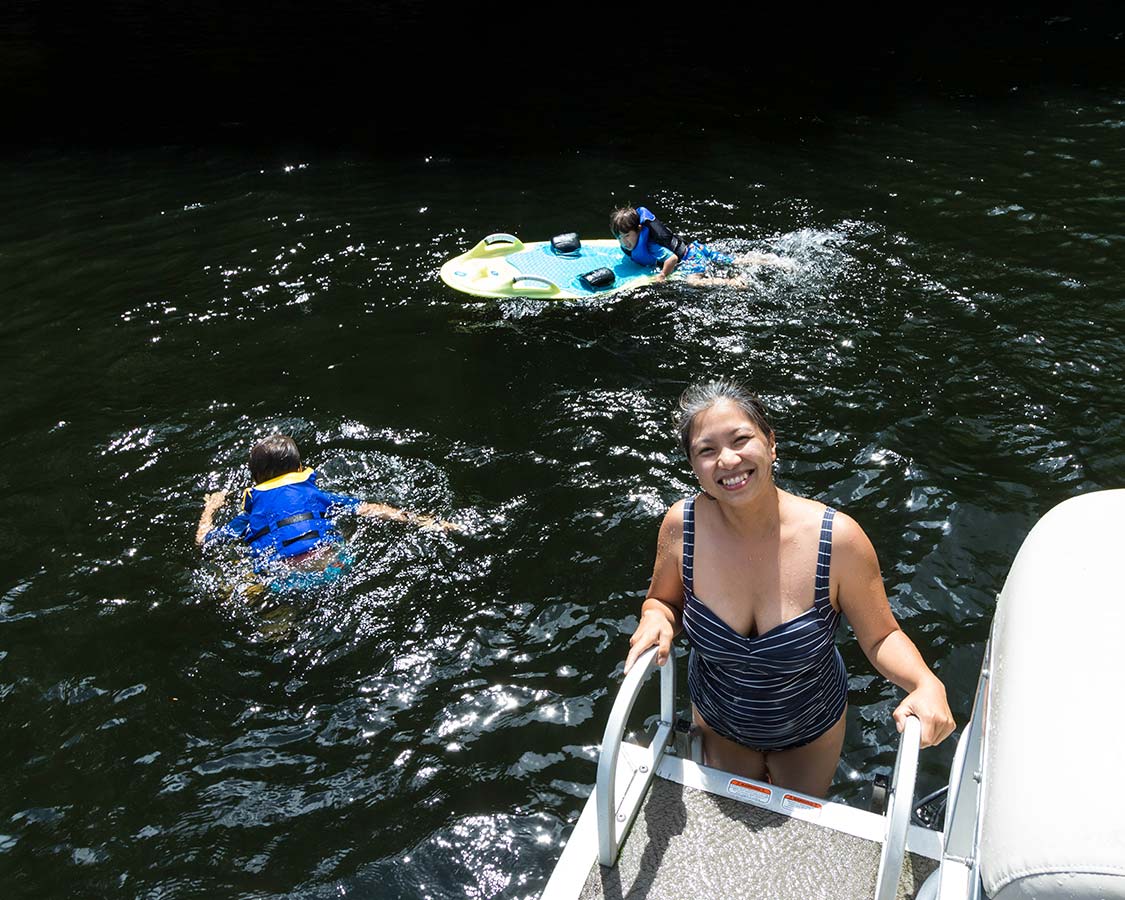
(608, 843)
(899, 806)
(611, 834)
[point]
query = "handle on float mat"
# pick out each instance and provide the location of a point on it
(547, 284)
(498, 244)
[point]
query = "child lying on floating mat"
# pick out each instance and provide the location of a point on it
(649, 242)
(288, 522)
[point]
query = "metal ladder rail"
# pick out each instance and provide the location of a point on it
(615, 819)
(899, 806)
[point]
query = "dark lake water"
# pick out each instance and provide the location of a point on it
(945, 363)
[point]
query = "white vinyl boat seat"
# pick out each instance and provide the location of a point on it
(1053, 823)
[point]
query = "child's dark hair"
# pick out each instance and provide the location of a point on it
(276, 455)
(624, 220)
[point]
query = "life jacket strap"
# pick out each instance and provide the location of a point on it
(281, 523)
(293, 520)
(301, 537)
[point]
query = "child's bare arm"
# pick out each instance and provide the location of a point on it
(211, 504)
(392, 514)
(668, 267)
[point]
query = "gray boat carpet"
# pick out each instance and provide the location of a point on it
(703, 847)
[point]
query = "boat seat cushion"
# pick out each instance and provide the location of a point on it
(1053, 810)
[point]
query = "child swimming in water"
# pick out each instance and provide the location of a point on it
(286, 520)
(649, 242)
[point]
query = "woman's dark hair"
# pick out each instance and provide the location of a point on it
(701, 397)
(276, 455)
(624, 220)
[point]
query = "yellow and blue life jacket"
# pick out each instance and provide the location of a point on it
(288, 515)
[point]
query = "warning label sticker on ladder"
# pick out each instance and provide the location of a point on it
(750, 793)
(795, 804)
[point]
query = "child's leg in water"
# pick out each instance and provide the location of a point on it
(765, 259)
(712, 280)
(701, 261)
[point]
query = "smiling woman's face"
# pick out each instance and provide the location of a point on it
(730, 455)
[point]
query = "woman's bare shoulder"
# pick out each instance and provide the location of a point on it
(667, 585)
(850, 539)
(801, 512)
(672, 527)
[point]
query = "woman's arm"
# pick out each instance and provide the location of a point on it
(662, 611)
(863, 600)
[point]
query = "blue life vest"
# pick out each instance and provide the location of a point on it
(288, 515)
(653, 231)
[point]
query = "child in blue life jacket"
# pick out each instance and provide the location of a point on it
(649, 242)
(286, 520)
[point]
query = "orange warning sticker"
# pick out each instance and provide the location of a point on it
(751, 793)
(793, 803)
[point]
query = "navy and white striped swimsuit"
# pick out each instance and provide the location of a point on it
(775, 691)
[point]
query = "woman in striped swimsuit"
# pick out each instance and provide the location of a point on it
(758, 578)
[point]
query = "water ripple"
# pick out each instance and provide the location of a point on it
(942, 362)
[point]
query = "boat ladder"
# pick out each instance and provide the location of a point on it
(660, 824)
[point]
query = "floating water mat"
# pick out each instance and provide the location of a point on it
(504, 266)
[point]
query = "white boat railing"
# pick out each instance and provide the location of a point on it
(616, 814)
